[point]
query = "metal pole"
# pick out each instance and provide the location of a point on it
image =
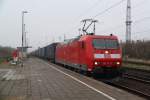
(23, 36)
(128, 21)
(22, 28)
(64, 37)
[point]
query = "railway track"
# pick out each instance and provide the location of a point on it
(126, 85)
(139, 75)
(137, 78)
(135, 81)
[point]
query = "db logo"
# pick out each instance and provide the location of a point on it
(107, 55)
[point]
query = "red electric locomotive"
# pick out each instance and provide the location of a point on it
(91, 53)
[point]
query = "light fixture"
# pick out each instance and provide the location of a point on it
(106, 52)
(118, 63)
(96, 63)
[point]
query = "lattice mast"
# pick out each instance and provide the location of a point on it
(128, 21)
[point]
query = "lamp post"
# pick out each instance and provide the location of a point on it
(23, 34)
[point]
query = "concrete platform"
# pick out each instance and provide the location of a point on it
(39, 80)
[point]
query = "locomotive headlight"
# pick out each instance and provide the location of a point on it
(96, 63)
(118, 63)
(106, 52)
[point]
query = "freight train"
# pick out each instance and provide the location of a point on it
(86, 53)
(47, 52)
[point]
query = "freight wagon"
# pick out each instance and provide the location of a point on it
(47, 52)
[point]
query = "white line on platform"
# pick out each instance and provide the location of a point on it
(109, 97)
(8, 74)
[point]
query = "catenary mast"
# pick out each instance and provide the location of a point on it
(128, 21)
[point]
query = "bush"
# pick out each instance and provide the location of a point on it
(137, 49)
(5, 51)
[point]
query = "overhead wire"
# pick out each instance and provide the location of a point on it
(113, 6)
(142, 19)
(90, 8)
(107, 9)
(87, 10)
(120, 25)
(104, 11)
(142, 31)
(135, 34)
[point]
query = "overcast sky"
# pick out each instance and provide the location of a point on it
(49, 20)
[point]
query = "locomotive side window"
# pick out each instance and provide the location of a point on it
(105, 44)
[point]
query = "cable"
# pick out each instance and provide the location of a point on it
(90, 8)
(139, 4)
(141, 31)
(121, 25)
(114, 5)
(135, 34)
(140, 20)
(112, 28)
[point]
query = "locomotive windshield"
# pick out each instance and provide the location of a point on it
(105, 44)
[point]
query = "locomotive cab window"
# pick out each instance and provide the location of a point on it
(99, 43)
(105, 44)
